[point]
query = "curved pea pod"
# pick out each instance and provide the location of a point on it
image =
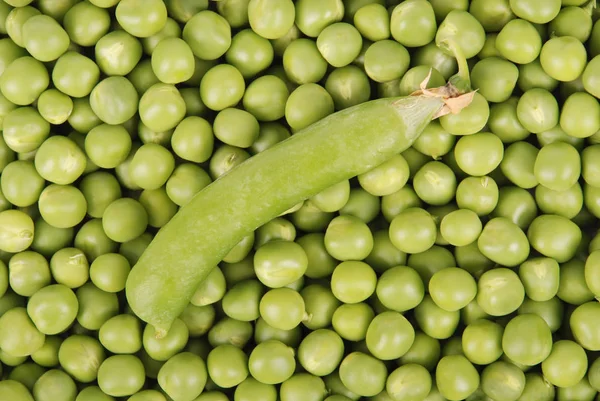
(338, 147)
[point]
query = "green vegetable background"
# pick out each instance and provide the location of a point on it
(299, 200)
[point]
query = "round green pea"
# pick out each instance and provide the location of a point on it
(519, 41)
(452, 288)
(18, 335)
(320, 352)
(363, 374)
(141, 19)
(503, 242)
(312, 16)
(348, 238)
(75, 74)
(339, 44)
(208, 34)
(221, 87)
(468, 39)
(86, 23)
(456, 378)
(162, 107)
(249, 53)
(54, 106)
(280, 263)
(109, 272)
(100, 190)
(303, 63)
(24, 129)
(373, 22)
(121, 375)
(566, 365)
(124, 219)
(461, 227)
(413, 230)
(44, 38)
(53, 385)
(95, 306)
(227, 365)
(173, 61)
(62, 206)
(114, 100)
(242, 301)
(482, 341)
(386, 60)
(271, 362)
(53, 308)
(500, 291)
(409, 382)
(265, 99)
(70, 267)
(300, 113)
(59, 160)
(353, 281)
(435, 321)
(121, 334)
(554, 236)
(21, 184)
(400, 280)
(184, 376)
(540, 277)
(389, 336)
(527, 339)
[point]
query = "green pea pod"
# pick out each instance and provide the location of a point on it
(338, 147)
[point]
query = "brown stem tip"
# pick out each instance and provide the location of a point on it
(454, 100)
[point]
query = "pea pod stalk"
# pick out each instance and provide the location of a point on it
(338, 147)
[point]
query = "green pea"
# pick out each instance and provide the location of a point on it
(351, 321)
(412, 79)
(425, 351)
(320, 352)
(482, 341)
(59, 160)
(171, 29)
(27, 374)
(519, 41)
(469, 157)
(346, 288)
(253, 390)
(16, 232)
(162, 107)
(282, 308)
(333, 198)
(21, 184)
(121, 334)
(300, 114)
(141, 21)
(95, 306)
(109, 272)
(265, 99)
(348, 238)
(303, 63)
(495, 78)
(242, 301)
(86, 34)
(552, 311)
(18, 334)
(361, 205)
(469, 39)
(500, 292)
(576, 124)
(386, 178)
(151, 166)
(573, 288)
(249, 53)
(362, 374)
(53, 385)
(183, 10)
(24, 129)
(527, 339)
(100, 189)
(121, 375)
(435, 321)
(563, 58)
(410, 17)
(570, 201)
(235, 12)
(70, 267)
(211, 290)
(159, 207)
(53, 308)
(185, 375)
(518, 164)
(161, 349)
(456, 377)
(320, 306)
(208, 34)
(583, 323)
(493, 16)
(280, 263)
(230, 331)
(221, 87)
(554, 236)
(432, 56)
(339, 44)
(15, 20)
(386, 60)
(384, 254)
(452, 288)
(173, 61)
(304, 385)
(83, 118)
(114, 100)
(435, 183)
(93, 241)
(271, 19)
(93, 393)
(271, 362)
(198, 319)
(28, 272)
(400, 280)
(313, 16)
(15, 390)
(566, 365)
(373, 22)
(413, 230)
(117, 53)
(503, 122)
(74, 74)
(54, 106)
(44, 38)
(472, 118)
(532, 75)
(427, 263)
(265, 332)
(389, 336)
(502, 381)
(572, 21)
(227, 366)
(540, 278)
(124, 219)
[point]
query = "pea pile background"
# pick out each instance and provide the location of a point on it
(466, 267)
